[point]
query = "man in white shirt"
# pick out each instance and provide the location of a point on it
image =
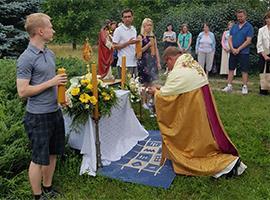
(124, 39)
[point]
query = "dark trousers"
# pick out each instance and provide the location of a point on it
(261, 66)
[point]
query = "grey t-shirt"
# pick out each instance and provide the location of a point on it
(38, 66)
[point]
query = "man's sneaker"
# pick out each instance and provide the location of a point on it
(227, 89)
(166, 72)
(244, 89)
(52, 193)
(43, 197)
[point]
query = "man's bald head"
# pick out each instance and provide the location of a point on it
(171, 51)
(170, 56)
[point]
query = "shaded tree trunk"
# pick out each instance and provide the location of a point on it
(74, 45)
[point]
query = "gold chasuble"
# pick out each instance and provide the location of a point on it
(193, 136)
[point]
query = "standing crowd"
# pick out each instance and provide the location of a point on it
(235, 43)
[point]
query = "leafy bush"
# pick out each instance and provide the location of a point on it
(73, 66)
(217, 15)
(14, 149)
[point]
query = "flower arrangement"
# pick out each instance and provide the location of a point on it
(81, 102)
(135, 88)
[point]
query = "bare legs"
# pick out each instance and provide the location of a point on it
(38, 173)
(230, 76)
(35, 177)
(245, 78)
(48, 171)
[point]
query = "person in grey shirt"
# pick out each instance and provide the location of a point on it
(43, 121)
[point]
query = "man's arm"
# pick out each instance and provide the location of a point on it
(26, 90)
(245, 44)
(119, 46)
(233, 50)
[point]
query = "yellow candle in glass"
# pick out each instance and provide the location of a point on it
(153, 46)
(61, 98)
(95, 88)
(123, 72)
(139, 47)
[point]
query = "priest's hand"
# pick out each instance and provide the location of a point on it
(151, 90)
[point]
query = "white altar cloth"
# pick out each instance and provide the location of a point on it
(118, 134)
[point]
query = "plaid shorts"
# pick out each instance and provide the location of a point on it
(46, 133)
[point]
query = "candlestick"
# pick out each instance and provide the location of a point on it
(153, 46)
(61, 98)
(95, 88)
(123, 72)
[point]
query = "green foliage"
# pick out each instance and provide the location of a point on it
(217, 15)
(73, 66)
(14, 150)
(13, 38)
(76, 20)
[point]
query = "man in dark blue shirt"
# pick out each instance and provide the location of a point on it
(240, 39)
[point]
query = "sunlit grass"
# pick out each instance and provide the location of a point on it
(65, 51)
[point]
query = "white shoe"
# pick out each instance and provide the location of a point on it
(227, 89)
(166, 72)
(244, 89)
(145, 106)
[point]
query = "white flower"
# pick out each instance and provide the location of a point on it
(69, 99)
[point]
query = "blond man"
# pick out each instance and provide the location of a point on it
(43, 121)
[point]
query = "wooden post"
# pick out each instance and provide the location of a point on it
(96, 114)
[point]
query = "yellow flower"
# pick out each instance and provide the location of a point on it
(85, 81)
(75, 91)
(89, 86)
(107, 97)
(84, 98)
(93, 100)
(104, 94)
(100, 82)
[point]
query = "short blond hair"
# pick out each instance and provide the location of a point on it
(35, 20)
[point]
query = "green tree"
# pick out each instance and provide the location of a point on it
(74, 20)
(13, 38)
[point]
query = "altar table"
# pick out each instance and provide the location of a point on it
(118, 134)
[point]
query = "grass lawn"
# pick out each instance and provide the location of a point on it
(246, 119)
(65, 50)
